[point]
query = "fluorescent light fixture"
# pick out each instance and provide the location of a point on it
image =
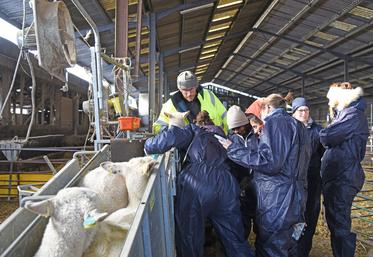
(207, 56)
(199, 72)
(229, 4)
(197, 8)
(190, 49)
(229, 89)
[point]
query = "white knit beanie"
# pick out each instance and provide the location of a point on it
(236, 118)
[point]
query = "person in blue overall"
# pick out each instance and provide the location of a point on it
(206, 189)
(242, 133)
(301, 112)
(342, 176)
(280, 162)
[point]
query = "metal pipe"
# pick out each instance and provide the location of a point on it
(37, 198)
(138, 37)
(152, 61)
(303, 84)
(95, 100)
(97, 70)
(76, 154)
(121, 44)
(345, 68)
(161, 80)
(50, 165)
(121, 28)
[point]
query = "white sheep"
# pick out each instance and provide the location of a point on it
(177, 119)
(65, 235)
(108, 181)
(113, 229)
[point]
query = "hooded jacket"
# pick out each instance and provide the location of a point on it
(280, 162)
(345, 142)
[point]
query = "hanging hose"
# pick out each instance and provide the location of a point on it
(18, 61)
(33, 89)
(11, 85)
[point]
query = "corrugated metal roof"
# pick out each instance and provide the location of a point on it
(285, 40)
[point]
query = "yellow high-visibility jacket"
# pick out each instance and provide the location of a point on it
(208, 101)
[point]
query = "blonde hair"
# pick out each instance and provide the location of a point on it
(275, 100)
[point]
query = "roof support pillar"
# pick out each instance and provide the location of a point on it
(303, 84)
(346, 75)
(138, 38)
(151, 80)
(161, 81)
(121, 43)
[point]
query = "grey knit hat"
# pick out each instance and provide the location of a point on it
(236, 118)
(186, 80)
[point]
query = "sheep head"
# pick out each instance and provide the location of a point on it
(176, 119)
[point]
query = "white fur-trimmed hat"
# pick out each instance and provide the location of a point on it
(340, 95)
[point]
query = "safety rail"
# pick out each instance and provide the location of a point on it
(151, 234)
(21, 233)
(362, 207)
(152, 231)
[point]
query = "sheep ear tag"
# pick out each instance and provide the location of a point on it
(92, 217)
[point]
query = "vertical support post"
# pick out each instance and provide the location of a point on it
(42, 106)
(161, 81)
(371, 115)
(138, 38)
(14, 104)
(121, 40)
(152, 61)
(53, 106)
(22, 87)
(95, 100)
(346, 75)
(101, 97)
(121, 28)
(303, 84)
(5, 85)
(76, 113)
(166, 87)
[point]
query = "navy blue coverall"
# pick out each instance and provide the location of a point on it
(314, 190)
(206, 189)
(246, 181)
(342, 176)
(280, 163)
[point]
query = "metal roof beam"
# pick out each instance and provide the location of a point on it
(182, 7)
(276, 85)
(356, 31)
(240, 87)
(325, 50)
(331, 79)
(176, 50)
(280, 67)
